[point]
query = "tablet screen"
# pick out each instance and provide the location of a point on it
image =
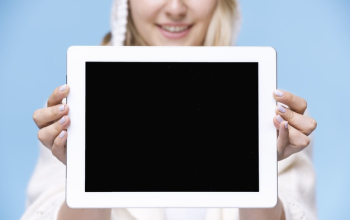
(171, 127)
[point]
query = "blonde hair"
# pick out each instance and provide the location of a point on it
(220, 30)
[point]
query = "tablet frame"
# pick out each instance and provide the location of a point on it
(76, 197)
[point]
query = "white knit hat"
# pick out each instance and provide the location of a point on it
(119, 19)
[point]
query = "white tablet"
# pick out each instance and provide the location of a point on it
(171, 127)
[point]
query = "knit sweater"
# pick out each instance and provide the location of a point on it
(296, 189)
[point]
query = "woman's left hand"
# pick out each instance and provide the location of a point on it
(293, 126)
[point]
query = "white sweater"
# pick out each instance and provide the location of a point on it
(296, 189)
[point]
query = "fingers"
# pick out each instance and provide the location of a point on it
(297, 140)
(304, 124)
(299, 126)
(53, 123)
(44, 117)
(48, 134)
(296, 103)
(58, 95)
(283, 139)
(59, 149)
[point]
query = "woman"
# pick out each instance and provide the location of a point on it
(175, 23)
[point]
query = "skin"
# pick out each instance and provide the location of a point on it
(192, 12)
(293, 127)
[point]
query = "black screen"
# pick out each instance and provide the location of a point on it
(171, 127)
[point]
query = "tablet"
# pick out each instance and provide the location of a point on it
(171, 127)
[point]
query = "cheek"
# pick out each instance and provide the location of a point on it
(140, 15)
(203, 9)
(202, 12)
(144, 14)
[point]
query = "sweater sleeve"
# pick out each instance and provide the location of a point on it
(296, 179)
(46, 188)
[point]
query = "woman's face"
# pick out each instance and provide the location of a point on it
(172, 22)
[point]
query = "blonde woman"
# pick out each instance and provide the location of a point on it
(175, 23)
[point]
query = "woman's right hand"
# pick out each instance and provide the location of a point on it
(53, 122)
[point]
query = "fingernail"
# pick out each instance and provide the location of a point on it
(279, 118)
(63, 120)
(281, 109)
(62, 134)
(278, 93)
(62, 88)
(61, 108)
(286, 125)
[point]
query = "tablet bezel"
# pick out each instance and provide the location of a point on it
(76, 197)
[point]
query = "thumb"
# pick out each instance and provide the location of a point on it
(283, 139)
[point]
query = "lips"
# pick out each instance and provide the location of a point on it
(174, 31)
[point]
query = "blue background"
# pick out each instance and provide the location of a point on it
(312, 39)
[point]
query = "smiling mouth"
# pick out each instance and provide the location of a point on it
(174, 31)
(175, 28)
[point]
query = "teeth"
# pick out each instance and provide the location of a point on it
(175, 29)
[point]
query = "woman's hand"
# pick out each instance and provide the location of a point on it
(293, 126)
(53, 122)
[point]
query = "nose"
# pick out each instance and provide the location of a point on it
(176, 9)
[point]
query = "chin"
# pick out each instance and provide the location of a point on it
(176, 43)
